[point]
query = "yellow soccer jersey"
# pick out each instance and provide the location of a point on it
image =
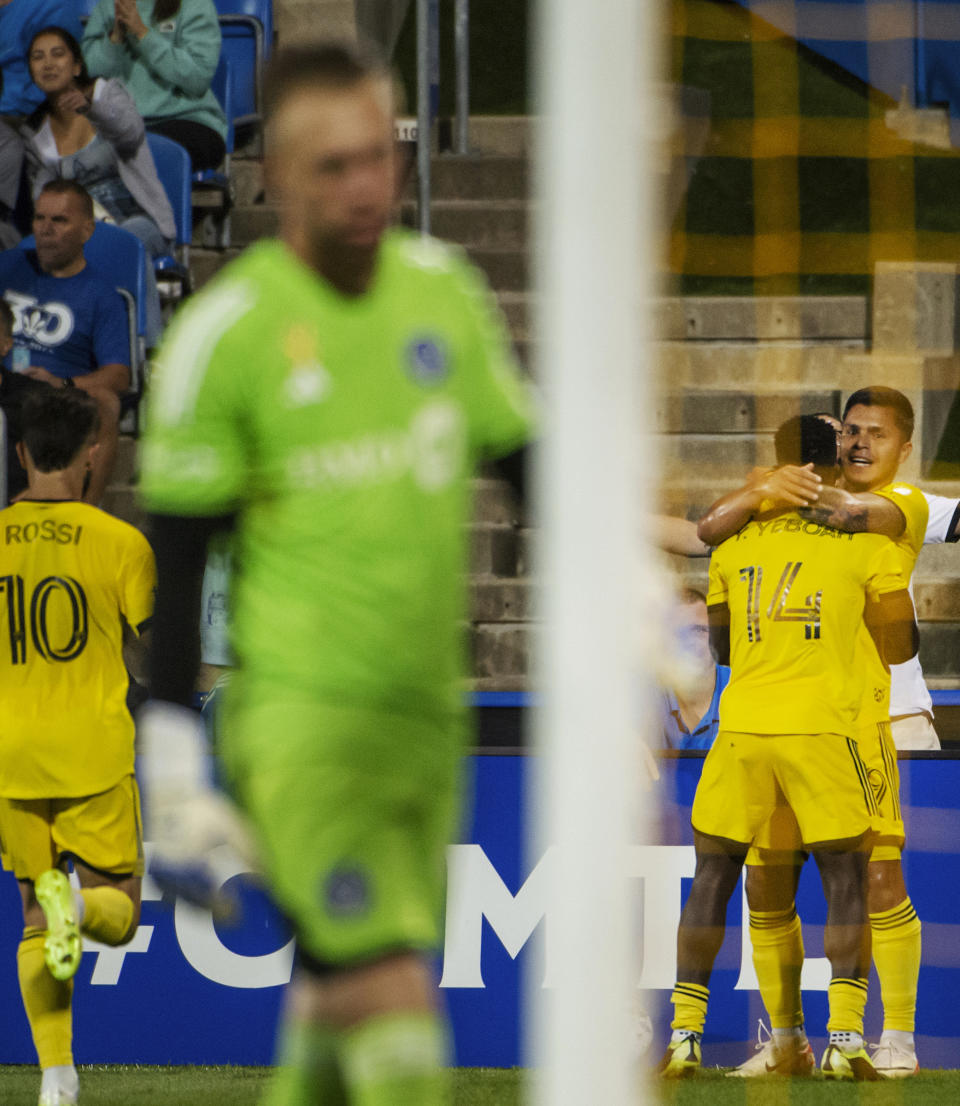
(70, 575)
(916, 511)
(796, 591)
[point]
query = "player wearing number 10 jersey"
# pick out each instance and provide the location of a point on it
(70, 577)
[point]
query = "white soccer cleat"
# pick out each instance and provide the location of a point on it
(895, 1059)
(59, 1087)
(778, 1055)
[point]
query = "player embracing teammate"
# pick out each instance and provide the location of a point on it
(875, 440)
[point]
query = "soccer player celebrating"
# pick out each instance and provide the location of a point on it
(788, 599)
(327, 398)
(72, 578)
(875, 441)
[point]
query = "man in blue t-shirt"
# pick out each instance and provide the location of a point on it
(70, 323)
(19, 22)
(691, 714)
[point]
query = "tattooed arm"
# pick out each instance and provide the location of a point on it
(864, 513)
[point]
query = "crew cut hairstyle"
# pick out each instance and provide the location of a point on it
(330, 65)
(63, 186)
(805, 440)
(56, 424)
(881, 396)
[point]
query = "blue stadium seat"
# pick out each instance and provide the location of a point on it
(246, 27)
(121, 255)
(175, 173)
(85, 9)
(216, 228)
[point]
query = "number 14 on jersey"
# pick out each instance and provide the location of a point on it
(778, 609)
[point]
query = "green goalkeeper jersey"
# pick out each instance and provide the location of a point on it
(343, 432)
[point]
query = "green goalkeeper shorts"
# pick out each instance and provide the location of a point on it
(353, 810)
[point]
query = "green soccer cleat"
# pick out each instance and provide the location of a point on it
(682, 1058)
(850, 1064)
(62, 948)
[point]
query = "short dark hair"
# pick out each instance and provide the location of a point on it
(6, 317)
(66, 186)
(330, 65)
(879, 395)
(56, 423)
(805, 440)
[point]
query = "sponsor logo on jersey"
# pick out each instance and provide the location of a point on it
(431, 449)
(427, 360)
(49, 324)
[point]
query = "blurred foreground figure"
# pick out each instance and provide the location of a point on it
(327, 399)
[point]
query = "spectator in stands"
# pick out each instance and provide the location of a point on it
(165, 52)
(691, 712)
(90, 131)
(19, 22)
(69, 318)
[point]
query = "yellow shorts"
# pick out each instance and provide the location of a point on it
(747, 778)
(780, 836)
(880, 756)
(103, 831)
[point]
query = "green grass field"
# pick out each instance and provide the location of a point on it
(143, 1086)
(713, 1089)
(121, 1086)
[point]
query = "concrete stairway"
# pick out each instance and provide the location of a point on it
(730, 370)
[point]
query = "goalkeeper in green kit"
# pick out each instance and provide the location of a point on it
(326, 399)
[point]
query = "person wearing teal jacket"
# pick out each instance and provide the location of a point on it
(165, 52)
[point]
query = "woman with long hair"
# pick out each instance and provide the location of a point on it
(90, 131)
(165, 52)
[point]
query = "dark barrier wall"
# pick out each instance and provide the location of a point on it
(184, 992)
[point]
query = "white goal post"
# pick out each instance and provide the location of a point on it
(596, 474)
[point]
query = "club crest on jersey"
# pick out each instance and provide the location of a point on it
(346, 892)
(308, 381)
(427, 360)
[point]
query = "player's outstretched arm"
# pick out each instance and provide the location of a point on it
(765, 489)
(893, 626)
(856, 513)
(718, 617)
(677, 535)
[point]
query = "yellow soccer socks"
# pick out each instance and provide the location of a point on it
(689, 1007)
(46, 1000)
(778, 961)
(847, 999)
(107, 914)
(896, 953)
